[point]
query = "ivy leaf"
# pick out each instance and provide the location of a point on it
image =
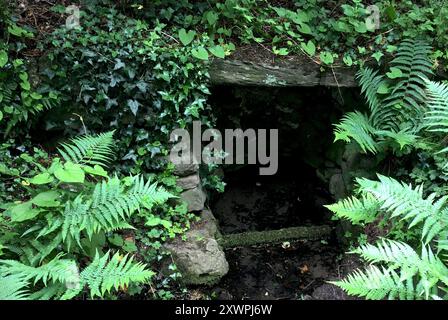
(394, 73)
(212, 17)
(309, 48)
(383, 88)
(96, 171)
(42, 178)
(25, 85)
(119, 64)
(1, 116)
(186, 37)
(46, 199)
(378, 55)
(326, 57)
(200, 53)
(133, 105)
(3, 58)
(348, 60)
(23, 212)
(218, 51)
(304, 28)
(70, 173)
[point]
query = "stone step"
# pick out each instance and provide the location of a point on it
(275, 236)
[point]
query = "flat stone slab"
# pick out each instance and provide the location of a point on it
(304, 73)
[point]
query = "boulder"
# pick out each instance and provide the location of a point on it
(199, 258)
(337, 186)
(195, 198)
(189, 182)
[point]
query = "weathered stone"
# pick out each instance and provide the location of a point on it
(189, 182)
(337, 186)
(209, 223)
(187, 165)
(195, 198)
(199, 258)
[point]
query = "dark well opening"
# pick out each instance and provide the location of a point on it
(294, 196)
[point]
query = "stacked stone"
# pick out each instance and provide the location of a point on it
(199, 258)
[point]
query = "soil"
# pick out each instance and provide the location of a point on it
(296, 270)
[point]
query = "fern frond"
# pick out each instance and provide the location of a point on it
(356, 126)
(89, 149)
(370, 81)
(103, 275)
(376, 284)
(407, 100)
(400, 255)
(403, 138)
(436, 118)
(408, 203)
(357, 211)
(57, 270)
(108, 208)
(13, 287)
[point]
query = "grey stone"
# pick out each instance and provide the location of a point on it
(195, 198)
(187, 166)
(199, 258)
(189, 182)
(337, 186)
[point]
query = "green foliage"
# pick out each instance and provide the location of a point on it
(396, 103)
(91, 150)
(13, 287)
(62, 280)
(402, 272)
(74, 207)
(131, 75)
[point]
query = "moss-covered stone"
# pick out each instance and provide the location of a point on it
(275, 236)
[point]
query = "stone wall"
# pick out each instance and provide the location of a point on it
(198, 256)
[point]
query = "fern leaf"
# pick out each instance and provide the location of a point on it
(89, 149)
(357, 211)
(407, 100)
(356, 126)
(436, 118)
(108, 208)
(376, 284)
(370, 82)
(13, 287)
(408, 203)
(103, 275)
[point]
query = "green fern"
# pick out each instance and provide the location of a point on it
(61, 279)
(89, 149)
(437, 115)
(406, 103)
(105, 274)
(407, 275)
(408, 203)
(356, 126)
(378, 283)
(108, 208)
(370, 82)
(398, 115)
(13, 287)
(357, 211)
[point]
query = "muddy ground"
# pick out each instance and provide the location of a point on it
(296, 270)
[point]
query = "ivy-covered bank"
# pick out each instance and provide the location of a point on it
(86, 111)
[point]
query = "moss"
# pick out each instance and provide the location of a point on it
(275, 236)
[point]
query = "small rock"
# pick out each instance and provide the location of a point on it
(199, 259)
(195, 198)
(337, 186)
(189, 182)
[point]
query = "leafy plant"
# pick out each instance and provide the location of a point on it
(396, 102)
(67, 209)
(398, 271)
